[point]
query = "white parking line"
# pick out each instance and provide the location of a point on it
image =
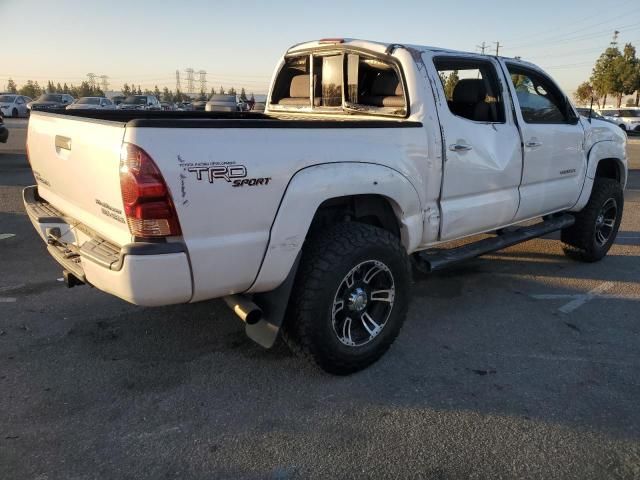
(7, 299)
(4, 236)
(581, 298)
(11, 287)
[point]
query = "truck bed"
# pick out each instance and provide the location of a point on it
(142, 118)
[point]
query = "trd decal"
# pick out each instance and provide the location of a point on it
(225, 172)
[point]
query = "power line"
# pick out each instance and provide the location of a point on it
(482, 47)
(498, 48)
(553, 37)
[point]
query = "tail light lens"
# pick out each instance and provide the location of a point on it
(147, 202)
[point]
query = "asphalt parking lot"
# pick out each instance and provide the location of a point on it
(521, 364)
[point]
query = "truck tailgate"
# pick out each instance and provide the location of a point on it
(76, 164)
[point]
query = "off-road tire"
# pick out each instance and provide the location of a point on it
(580, 239)
(327, 257)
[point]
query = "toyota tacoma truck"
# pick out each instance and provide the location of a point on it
(370, 160)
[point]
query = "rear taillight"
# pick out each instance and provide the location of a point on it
(147, 201)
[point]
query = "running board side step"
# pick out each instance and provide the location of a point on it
(438, 260)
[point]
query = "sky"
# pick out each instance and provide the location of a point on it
(238, 43)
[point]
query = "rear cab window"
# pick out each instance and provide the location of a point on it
(340, 82)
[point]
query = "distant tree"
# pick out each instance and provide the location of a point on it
(59, 88)
(584, 93)
(213, 92)
(51, 88)
(450, 84)
(31, 89)
(243, 95)
(156, 92)
(139, 90)
(252, 99)
(11, 86)
(627, 73)
(84, 90)
(630, 103)
(202, 96)
(603, 76)
(126, 90)
(221, 91)
(65, 88)
(166, 95)
(231, 91)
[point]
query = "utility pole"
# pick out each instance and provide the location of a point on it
(614, 42)
(178, 88)
(104, 83)
(482, 47)
(498, 48)
(190, 80)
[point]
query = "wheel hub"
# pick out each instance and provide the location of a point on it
(357, 300)
(363, 302)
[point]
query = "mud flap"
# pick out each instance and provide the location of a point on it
(274, 305)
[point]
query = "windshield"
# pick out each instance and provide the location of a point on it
(7, 98)
(135, 100)
(50, 98)
(89, 101)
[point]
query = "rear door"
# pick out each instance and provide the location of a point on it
(483, 159)
(553, 143)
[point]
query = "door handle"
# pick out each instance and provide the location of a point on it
(533, 144)
(460, 147)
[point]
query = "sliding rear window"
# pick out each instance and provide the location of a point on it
(347, 82)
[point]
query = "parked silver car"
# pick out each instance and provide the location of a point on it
(92, 103)
(222, 103)
(140, 102)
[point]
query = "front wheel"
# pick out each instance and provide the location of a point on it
(591, 236)
(350, 298)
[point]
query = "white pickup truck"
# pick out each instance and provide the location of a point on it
(306, 219)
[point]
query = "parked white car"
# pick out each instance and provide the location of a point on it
(222, 103)
(92, 103)
(307, 218)
(13, 105)
(627, 119)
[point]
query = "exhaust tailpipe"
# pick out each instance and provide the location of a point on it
(244, 308)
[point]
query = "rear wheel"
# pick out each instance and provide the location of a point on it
(350, 299)
(591, 236)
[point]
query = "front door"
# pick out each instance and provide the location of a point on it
(553, 139)
(483, 158)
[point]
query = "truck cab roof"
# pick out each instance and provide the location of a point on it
(386, 48)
